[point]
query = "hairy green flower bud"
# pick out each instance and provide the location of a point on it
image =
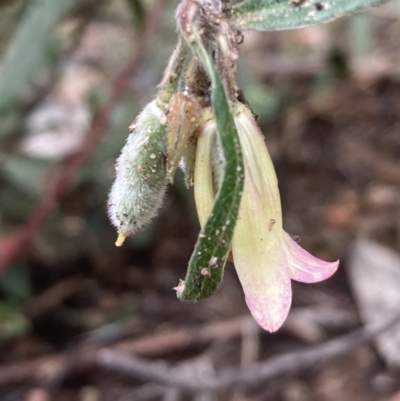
(141, 179)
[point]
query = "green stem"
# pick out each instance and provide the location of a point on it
(173, 73)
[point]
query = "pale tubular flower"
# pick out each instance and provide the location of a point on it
(203, 172)
(265, 257)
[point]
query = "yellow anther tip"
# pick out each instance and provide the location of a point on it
(120, 240)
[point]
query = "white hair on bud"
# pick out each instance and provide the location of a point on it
(140, 183)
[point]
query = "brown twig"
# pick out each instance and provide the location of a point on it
(5, 2)
(52, 297)
(176, 340)
(49, 368)
(274, 367)
(11, 248)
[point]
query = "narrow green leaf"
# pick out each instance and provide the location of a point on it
(361, 35)
(13, 324)
(16, 283)
(206, 266)
(267, 15)
(31, 47)
(138, 12)
(30, 174)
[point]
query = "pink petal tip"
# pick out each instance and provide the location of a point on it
(179, 288)
(305, 267)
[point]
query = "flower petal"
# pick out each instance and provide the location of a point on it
(259, 165)
(260, 261)
(180, 288)
(305, 267)
(259, 250)
(203, 180)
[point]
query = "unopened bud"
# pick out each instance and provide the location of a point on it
(140, 182)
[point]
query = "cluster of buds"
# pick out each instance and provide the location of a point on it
(180, 129)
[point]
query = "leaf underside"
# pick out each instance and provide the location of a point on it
(268, 15)
(206, 266)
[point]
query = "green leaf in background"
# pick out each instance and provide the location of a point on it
(267, 15)
(361, 35)
(31, 47)
(12, 323)
(214, 242)
(30, 174)
(138, 12)
(16, 283)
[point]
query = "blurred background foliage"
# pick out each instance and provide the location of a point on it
(328, 100)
